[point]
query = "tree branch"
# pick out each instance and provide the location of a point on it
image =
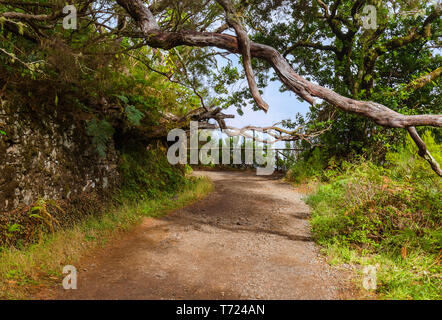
(244, 46)
(424, 80)
(31, 17)
(280, 135)
(307, 44)
(423, 151)
(423, 32)
(307, 90)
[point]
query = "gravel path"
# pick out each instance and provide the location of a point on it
(249, 239)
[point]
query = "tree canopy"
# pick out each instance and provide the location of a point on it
(146, 66)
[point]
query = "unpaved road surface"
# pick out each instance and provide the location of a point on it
(249, 239)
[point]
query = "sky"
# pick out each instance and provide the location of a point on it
(282, 105)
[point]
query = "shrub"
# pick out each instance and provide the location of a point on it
(391, 211)
(147, 173)
(310, 165)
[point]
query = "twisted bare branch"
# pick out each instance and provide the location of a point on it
(307, 90)
(244, 47)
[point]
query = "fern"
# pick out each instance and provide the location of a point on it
(123, 99)
(134, 115)
(101, 132)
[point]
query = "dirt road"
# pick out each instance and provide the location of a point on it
(249, 239)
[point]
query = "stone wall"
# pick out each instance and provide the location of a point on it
(48, 156)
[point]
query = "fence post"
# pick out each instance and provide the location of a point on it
(277, 159)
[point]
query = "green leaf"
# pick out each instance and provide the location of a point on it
(21, 28)
(134, 115)
(34, 215)
(2, 132)
(15, 227)
(101, 132)
(124, 99)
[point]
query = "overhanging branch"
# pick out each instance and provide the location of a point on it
(305, 89)
(244, 47)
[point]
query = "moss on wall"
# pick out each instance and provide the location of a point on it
(48, 156)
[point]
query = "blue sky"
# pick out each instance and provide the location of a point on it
(282, 105)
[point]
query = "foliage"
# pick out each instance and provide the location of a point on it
(40, 212)
(389, 214)
(134, 115)
(88, 74)
(309, 165)
(99, 70)
(377, 65)
(147, 173)
(101, 133)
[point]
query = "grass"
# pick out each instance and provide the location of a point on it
(388, 216)
(416, 277)
(25, 271)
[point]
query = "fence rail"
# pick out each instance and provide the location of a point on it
(279, 154)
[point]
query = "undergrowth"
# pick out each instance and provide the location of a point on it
(147, 173)
(388, 216)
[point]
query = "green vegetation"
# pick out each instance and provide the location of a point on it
(124, 92)
(105, 86)
(24, 271)
(381, 65)
(147, 173)
(388, 216)
(115, 89)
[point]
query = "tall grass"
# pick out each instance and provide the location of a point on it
(388, 216)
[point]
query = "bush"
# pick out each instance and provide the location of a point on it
(393, 211)
(310, 165)
(147, 173)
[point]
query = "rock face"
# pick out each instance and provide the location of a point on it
(48, 157)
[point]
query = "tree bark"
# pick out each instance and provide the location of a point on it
(244, 47)
(305, 89)
(423, 151)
